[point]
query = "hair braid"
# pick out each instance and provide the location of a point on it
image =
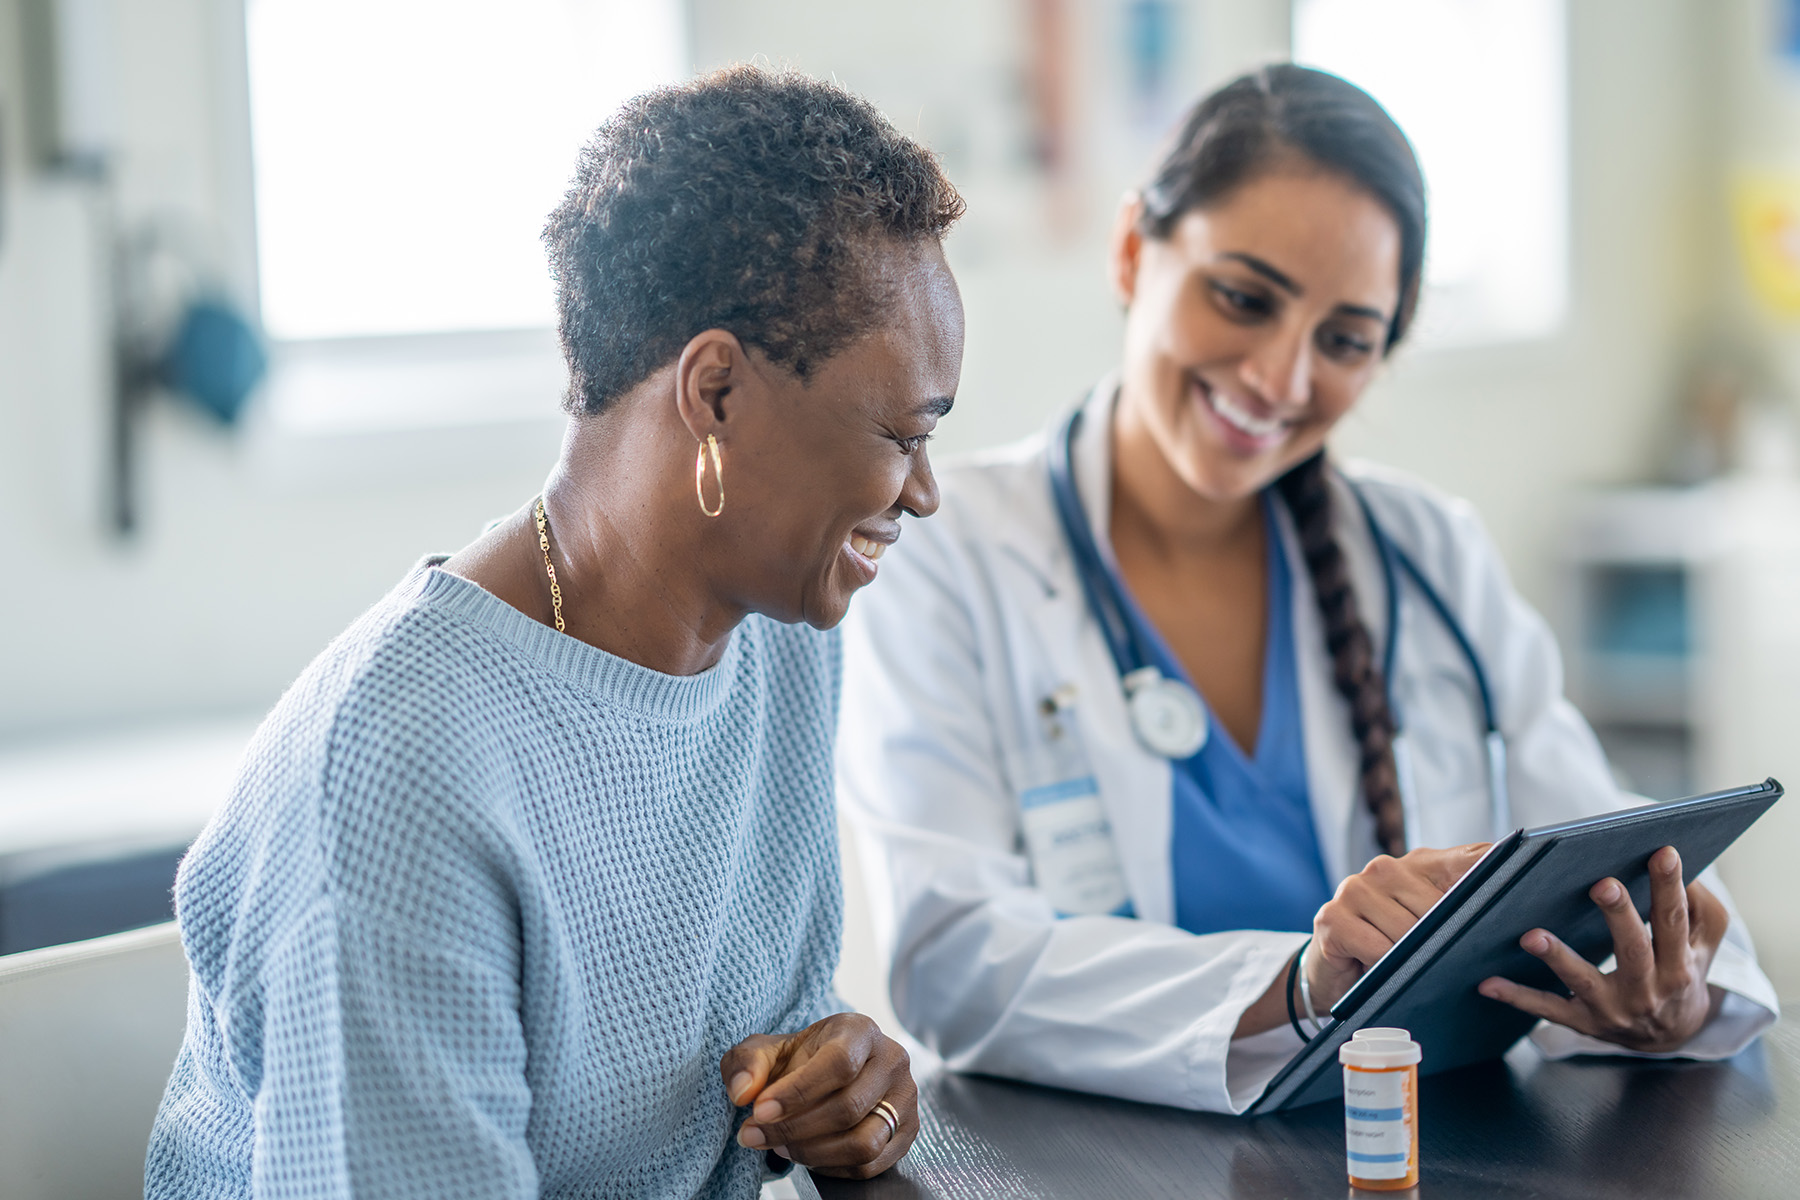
(1307, 491)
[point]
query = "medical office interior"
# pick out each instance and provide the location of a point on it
(274, 323)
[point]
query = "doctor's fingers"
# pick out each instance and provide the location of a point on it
(1605, 998)
(1669, 916)
(1361, 934)
(1590, 1007)
(1683, 920)
(1386, 885)
(1559, 1010)
(1631, 937)
(1707, 919)
(1444, 867)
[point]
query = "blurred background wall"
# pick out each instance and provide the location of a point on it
(255, 543)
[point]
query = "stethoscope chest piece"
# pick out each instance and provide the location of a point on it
(1166, 714)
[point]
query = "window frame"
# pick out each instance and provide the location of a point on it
(486, 427)
(1547, 345)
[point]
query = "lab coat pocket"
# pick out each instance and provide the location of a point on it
(1068, 838)
(1449, 798)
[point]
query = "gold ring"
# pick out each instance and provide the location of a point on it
(890, 1116)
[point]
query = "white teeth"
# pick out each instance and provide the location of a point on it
(1255, 426)
(868, 549)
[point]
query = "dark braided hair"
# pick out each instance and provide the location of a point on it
(1246, 127)
(1307, 491)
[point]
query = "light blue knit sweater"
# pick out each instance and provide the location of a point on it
(487, 905)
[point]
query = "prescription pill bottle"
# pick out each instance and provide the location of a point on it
(1381, 1110)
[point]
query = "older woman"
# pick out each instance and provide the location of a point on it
(529, 882)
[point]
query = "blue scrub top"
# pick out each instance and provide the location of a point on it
(1245, 852)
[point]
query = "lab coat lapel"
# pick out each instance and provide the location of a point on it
(1135, 785)
(1345, 829)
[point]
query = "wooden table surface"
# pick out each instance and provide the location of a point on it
(1588, 1128)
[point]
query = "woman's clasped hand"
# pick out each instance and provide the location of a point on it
(813, 1096)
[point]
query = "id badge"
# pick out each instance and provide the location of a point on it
(1070, 841)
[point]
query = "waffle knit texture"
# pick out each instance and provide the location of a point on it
(486, 905)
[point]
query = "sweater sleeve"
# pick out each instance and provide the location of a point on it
(393, 1051)
(390, 1067)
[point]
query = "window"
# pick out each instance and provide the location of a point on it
(1479, 86)
(406, 154)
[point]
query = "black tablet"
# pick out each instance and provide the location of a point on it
(1535, 878)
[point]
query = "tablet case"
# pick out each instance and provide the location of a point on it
(1529, 879)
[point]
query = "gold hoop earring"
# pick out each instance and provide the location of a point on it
(700, 475)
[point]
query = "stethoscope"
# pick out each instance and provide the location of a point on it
(1168, 716)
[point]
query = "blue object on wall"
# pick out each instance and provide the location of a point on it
(1785, 26)
(1150, 55)
(1639, 609)
(215, 358)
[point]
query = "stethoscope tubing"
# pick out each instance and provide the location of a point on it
(1097, 579)
(1394, 563)
(1108, 605)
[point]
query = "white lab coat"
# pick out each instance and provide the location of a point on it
(978, 616)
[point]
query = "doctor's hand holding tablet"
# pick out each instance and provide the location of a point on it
(1168, 721)
(1655, 1000)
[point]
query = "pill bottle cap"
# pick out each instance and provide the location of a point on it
(1377, 1053)
(1383, 1033)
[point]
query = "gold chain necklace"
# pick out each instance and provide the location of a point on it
(543, 528)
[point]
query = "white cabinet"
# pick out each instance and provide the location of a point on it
(1685, 656)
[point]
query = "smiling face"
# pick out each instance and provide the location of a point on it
(818, 477)
(1253, 328)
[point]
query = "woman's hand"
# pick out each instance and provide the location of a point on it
(815, 1094)
(1657, 998)
(1373, 909)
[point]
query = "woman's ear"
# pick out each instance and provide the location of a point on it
(711, 368)
(1127, 244)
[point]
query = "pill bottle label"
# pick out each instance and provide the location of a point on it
(1378, 1124)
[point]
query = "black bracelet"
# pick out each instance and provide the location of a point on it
(1293, 975)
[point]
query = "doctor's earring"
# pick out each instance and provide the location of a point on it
(711, 445)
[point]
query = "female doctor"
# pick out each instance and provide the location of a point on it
(1168, 725)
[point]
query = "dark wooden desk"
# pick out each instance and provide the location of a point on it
(1586, 1128)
